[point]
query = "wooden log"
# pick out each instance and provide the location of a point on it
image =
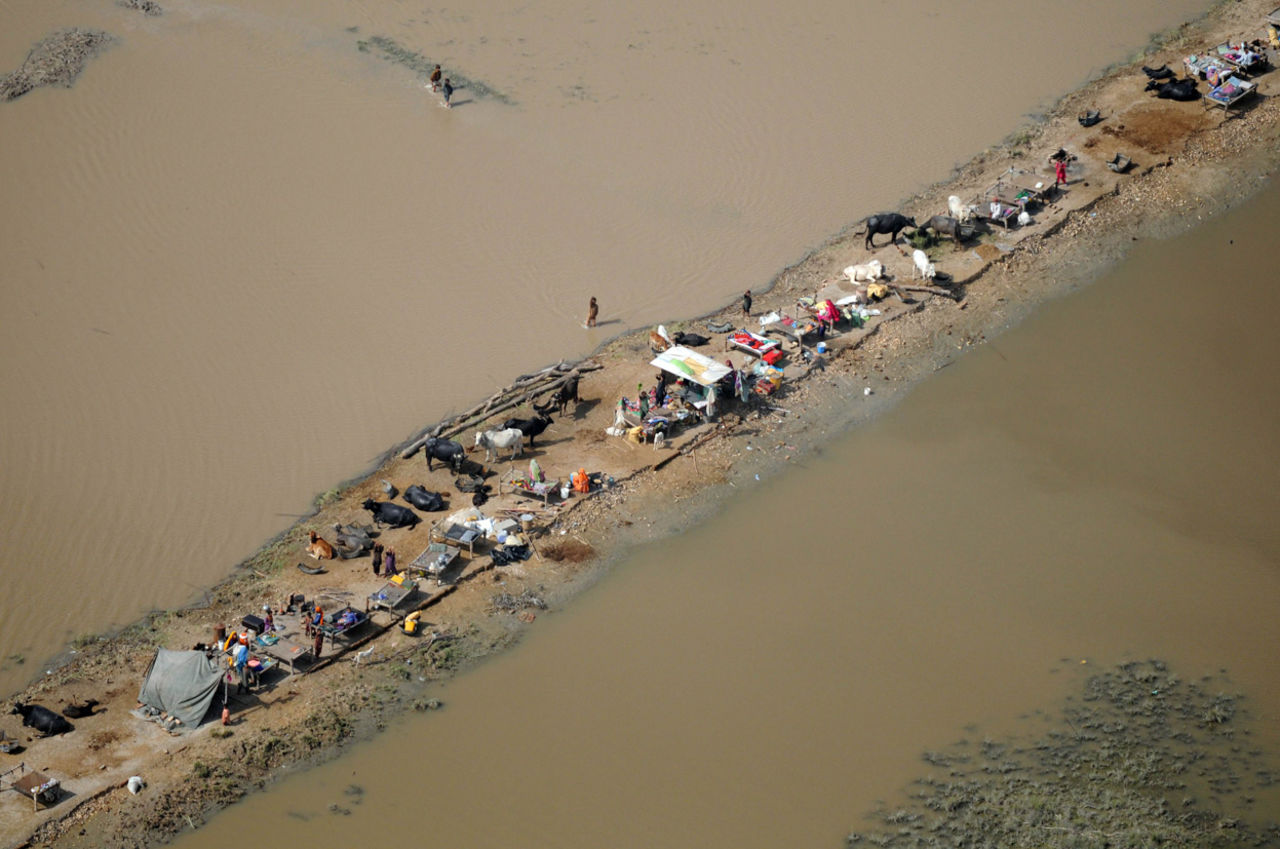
(930, 290)
(554, 376)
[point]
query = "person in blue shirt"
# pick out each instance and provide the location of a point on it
(240, 659)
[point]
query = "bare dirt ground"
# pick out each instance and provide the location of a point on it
(1189, 161)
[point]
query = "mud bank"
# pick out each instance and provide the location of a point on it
(1184, 174)
(1140, 757)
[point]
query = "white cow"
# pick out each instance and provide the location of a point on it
(960, 210)
(865, 273)
(495, 440)
(924, 269)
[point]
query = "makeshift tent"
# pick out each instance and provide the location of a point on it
(181, 684)
(690, 365)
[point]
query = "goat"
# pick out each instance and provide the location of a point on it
(924, 269)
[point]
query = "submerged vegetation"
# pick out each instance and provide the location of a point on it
(1141, 759)
(56, 61)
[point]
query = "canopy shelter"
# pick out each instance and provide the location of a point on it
(181, 684)
(690, 365)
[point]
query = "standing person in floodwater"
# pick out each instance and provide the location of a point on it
(446, 89)
(746, 303)
(593, 309)
(435, 79)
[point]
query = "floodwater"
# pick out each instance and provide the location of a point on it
(1089, 488)
(241, 258)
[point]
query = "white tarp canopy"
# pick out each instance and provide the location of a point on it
(683, 362)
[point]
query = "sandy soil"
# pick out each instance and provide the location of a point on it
(1189, 161)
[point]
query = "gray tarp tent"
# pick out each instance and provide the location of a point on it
(182, 684)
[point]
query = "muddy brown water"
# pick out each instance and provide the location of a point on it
(1090, 487)
(242, 258)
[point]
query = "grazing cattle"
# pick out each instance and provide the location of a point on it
(42, 719)
(444, 450)
(567, 392)
(886, 222)
(495, 440)
(866, 272)
(945, 225)
(424, 499)
(1174, 89)
(318, 548)
(392, 515)
(924, 269)
(529, 427)
(75, 711)
(960, 210)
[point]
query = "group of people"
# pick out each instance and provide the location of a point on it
(444, 86)
(384, 561)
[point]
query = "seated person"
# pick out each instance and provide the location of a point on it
(581, 482)
(346, 618)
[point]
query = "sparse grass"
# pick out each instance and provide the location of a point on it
(923, 239)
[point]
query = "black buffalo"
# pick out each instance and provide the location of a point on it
(393, 515)
(1174, 89)
(945, 225)
(691, 340)
(887, 222)
(42, 719)
(567, 392)
(75, 711)
(444, 450)
(424, 499)
(529, 427)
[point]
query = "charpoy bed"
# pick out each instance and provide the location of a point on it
(1230, 92)
(752, 343)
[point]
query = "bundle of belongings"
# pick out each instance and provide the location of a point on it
(767, 378)
(510, 553)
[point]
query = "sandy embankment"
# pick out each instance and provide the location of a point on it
(1189, 162)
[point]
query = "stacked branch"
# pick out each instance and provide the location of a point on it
(523, 390)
